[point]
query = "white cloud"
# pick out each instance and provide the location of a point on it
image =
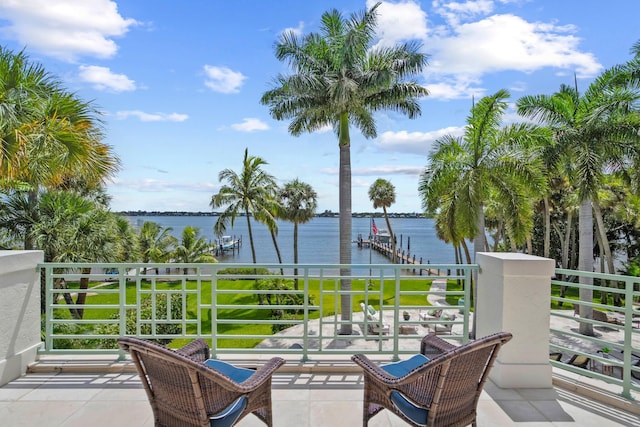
(414, 142)
(297, 31)
(65, 29)
(508, 42)
(250, 125)
(223, 79)
(102, 78)
(398, 22)
(473, 41)
(152, 117)
(454, 12)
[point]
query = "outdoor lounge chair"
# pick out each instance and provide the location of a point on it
(601, 316)
(373, 320)
(556, 356)
(435, 390)
(579, 361)
(186, 388)
(430, 315)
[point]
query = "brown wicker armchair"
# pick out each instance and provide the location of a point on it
(441, 390)
(186, 388)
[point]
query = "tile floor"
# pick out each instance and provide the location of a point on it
(300, 400)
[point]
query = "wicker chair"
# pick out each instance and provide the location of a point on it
(442, 390)
(186, 388)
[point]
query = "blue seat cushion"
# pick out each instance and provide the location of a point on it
(230, 414)
(414, 413)
(399, 369)
(236, 374)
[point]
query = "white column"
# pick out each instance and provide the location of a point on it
(19, 312)
(514, 295)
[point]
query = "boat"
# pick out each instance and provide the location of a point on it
(383, 236)
(228, 243)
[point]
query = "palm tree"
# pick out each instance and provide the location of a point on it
(488, 160)
(156, 242)
(299, 203)
(340, 80)
(249, 193)
(47, 135)
(383, 194)
(73, 229)
(193, 248)
(594, 134)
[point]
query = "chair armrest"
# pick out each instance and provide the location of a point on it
(197, 350)
(432, 344)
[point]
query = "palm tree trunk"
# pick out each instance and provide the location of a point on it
(253, 249)
(605, 247)
(295, 254)
(585, 262)
(478, 246)
(345, 223)
(547, 229)
(275, 245)
(82, 296)
(391, 236)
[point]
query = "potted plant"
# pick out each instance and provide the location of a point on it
(605, 351)
(406, 315)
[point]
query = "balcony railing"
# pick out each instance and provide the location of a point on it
(246, 308)
(617, 328)
(219, 301)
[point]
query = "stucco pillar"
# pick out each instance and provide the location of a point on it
(514, 295)
(19, 312)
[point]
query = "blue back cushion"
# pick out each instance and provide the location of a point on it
(236, 374)
(403, 367)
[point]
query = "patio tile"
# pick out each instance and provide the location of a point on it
(102, 414)
(26, 414)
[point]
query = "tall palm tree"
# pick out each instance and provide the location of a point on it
(383, 194)
(299, 204)
(595, 134)
(340, 80)
(249, 193)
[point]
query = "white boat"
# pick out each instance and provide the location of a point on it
(383, 236)
(227, 243)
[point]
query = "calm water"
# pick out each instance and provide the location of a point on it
(317, 239)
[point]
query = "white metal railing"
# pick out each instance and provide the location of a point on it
(179, 302)
(620, 333)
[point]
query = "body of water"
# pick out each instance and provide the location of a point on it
(318, 240)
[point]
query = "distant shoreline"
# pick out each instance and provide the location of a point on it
(325, 214)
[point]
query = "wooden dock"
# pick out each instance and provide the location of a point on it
(402, 257)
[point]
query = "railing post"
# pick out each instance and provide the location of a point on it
(20, 308)
(513, 295)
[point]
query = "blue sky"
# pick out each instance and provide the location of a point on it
(179, 83)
